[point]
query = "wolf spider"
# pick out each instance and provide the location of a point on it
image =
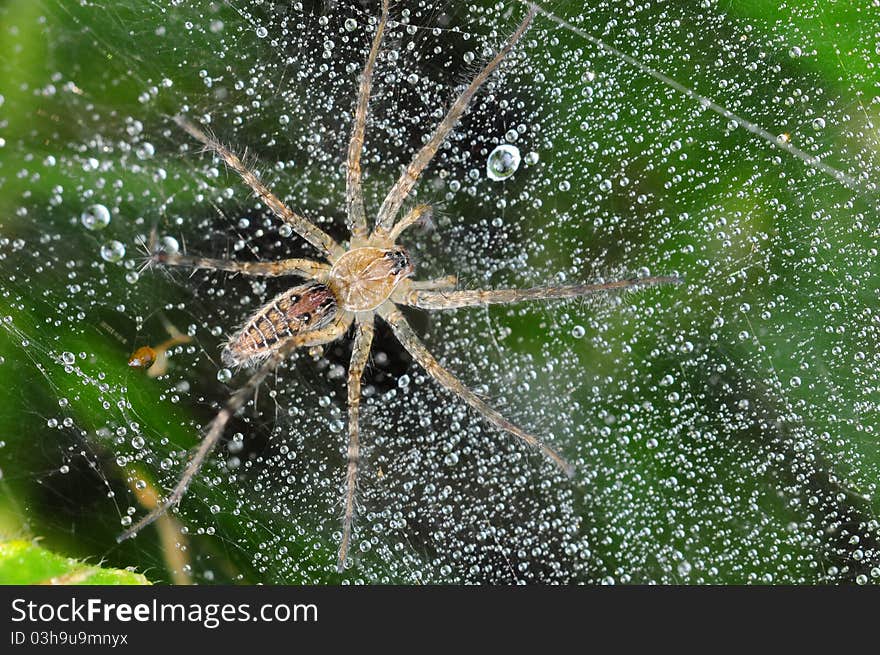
(369, 278)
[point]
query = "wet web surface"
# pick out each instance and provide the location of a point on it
(724, 430)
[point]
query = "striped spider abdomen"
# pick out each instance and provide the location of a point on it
(307, 307)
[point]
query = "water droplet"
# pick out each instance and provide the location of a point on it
(502, 162)
(145, 151)
(262, 32)
(795, 381)
(818, 123)
(138, 442)
(578, 331)
(795, 52)
(68, 358)
(350, 24)
(169, 245)
(96, 217)
(112, 251)
(224, 375)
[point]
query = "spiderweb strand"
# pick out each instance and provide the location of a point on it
(754, 128)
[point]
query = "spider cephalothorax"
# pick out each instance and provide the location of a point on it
(369, 279)
(364, 278)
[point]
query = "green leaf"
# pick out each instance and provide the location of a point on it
(22, 562)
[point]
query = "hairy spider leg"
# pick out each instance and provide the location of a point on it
(445, 282)
(431, 299)
(399, 192)
(303, 227)
(418, 214)
(359, 355)
(235, 402)
(407, 337)
(354, 197)
(306, 268)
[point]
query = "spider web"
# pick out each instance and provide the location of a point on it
(724, 430)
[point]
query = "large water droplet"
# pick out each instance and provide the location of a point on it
(169, 244)
(95, 217)
(145, 151)
(112, 251)
(502, 162)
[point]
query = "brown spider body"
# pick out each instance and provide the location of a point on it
(364, 278)
(306, 307)
(359, 285)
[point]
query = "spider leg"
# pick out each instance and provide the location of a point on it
(360, 354)
(303, 227)
(420, 353)
(427, 299)
(400, 190)
(306, 268)
(418, 214)
(447, 282)
(236, 401)
(353, 192)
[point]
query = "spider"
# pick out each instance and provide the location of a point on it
(370, 278)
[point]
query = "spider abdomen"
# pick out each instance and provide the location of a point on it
(301, 308)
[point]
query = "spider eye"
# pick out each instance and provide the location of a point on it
(399, 261)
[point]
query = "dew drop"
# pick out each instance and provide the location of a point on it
(95, 217)
(502, 162)
(145, 151)
(224, 375)
(169, 244)
(112, 251)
